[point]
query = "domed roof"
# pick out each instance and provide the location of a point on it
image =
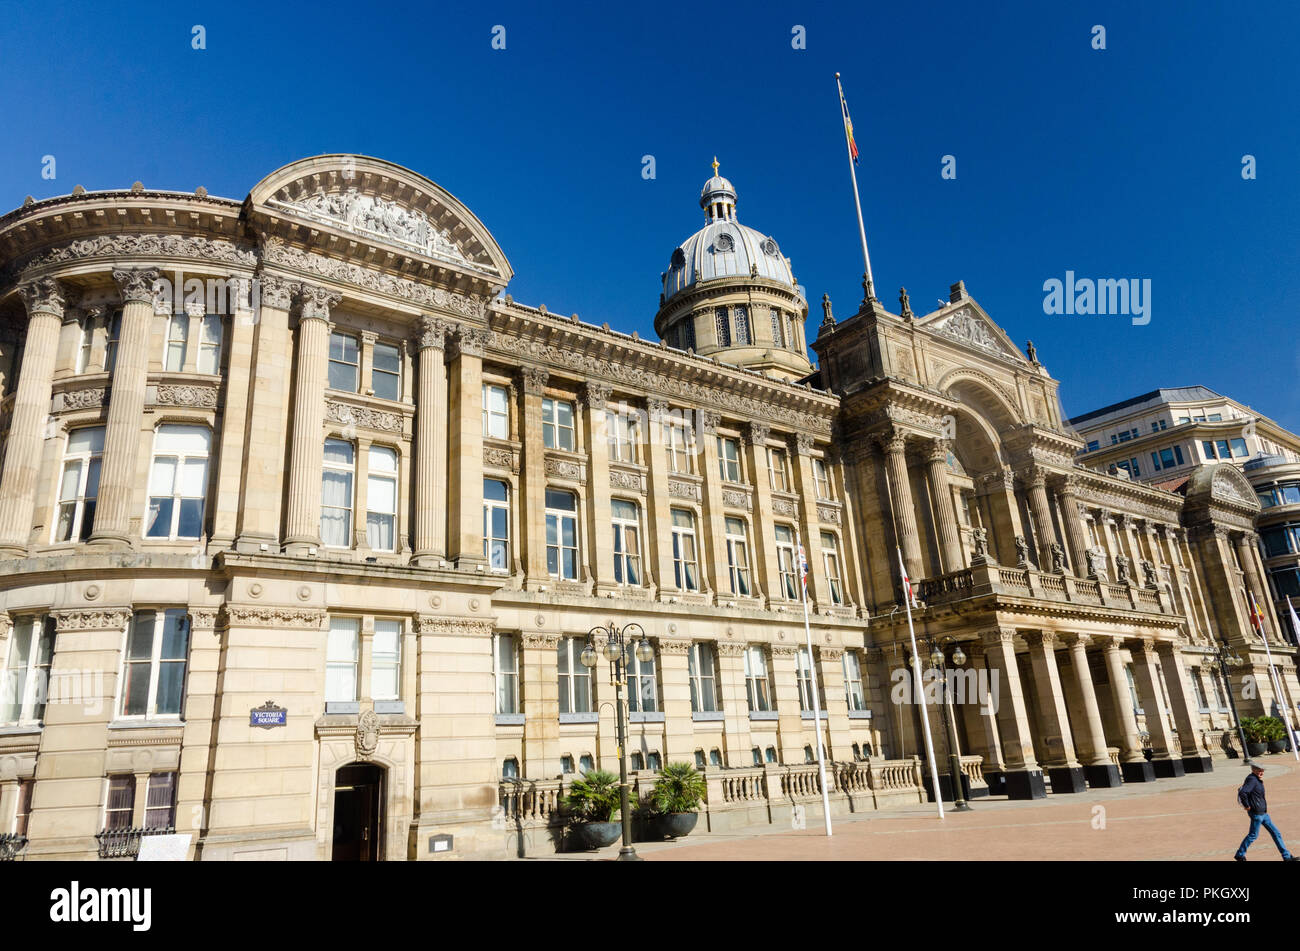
(724, 247)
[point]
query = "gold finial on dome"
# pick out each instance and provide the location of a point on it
(715, 166)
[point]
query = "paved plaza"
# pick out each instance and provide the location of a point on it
(1194, 818)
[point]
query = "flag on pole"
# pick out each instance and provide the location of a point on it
(1256, 616)
(1295, 621)
(803, 572)
(848, 126)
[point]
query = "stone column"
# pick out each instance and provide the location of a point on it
(598, 511)
(118, 476)
(465, 448)
(1247, 551)
(945, 518)
(1076, 535)
(1090, 738)
(1040, 507)
(1062, 766)
(1187, 715)
(714, 527)
(894, 446)
(45, 299)
(306, 454)
(766, 572)
(1133, 765)
(539, 692)
(68, 808)
(831, 674)
(1024, 779)
(981, 718)
(674, 678)
(230, 459)
(264, 447)
(431, 445)
(800, 447)
(1165, 760)
(785, 692)
(731, 670)
(533, 476)
(201, 716)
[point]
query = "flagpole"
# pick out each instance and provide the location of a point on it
(857, 201)
(1277, 680)
(920, 686)
(817, 709)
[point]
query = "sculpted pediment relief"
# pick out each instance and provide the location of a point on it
(386, 221)
(970, 328)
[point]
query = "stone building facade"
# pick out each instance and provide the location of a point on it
(305, 521)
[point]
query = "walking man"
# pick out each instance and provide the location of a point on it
(1251, 797)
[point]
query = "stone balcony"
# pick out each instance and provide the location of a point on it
(1000, 581)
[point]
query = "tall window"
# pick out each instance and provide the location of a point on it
(121, 802)
(679, 439)
(386, 660)
(738, 557)
(345, 359)
(27, 671)
(623, 433)
(496, 411)
(157, 648)
(791, 340)
(110, 342)
(85, 343)
(756, 687)
(336, 494)
(853, 681)
(742, 325)
(160, 801)
(641, 694)
(496, 524)
(831, 558)
(79, 484)
(178, 483)
(381, 498)
(785, 561)
(575, 679)
(178, 335)
(386, 371)
(703, 669)
(557, 424)
(684, 560)
(776, 470)
(627, 542)
(506, 659)
(211, 340)
(729, 458)
(723, 327)
(341, 654)
(822, 480)
(561, 534)
(805, 676)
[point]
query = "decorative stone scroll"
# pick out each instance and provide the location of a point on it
(829, 514)
(783, 507)
(204, 397)
(621, 479)
(363, 416)
(678, 489)
(563, 469)
(86, 398)
(737, 500)
(501, 458)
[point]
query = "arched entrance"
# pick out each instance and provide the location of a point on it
(358, 813)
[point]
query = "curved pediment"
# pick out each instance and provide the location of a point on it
(1223, 482)
(970, 327)
(383, 204)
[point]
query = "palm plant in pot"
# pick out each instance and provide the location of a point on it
(1276, 734)
(677, 796)
(1257, 734)
(593, 809)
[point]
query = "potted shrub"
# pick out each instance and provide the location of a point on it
(677, 796)
(593, 809)
(1276, 734)
(1257, 734)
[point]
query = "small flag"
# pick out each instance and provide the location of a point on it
(1256, 616)
(1295, 621)
(848, 125)
(803, 570)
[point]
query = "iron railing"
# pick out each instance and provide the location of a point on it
(11, 846)
(125, 843)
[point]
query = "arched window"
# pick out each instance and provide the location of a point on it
(723, 325)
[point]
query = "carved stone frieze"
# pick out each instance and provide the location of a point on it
(85, 398)
(100, 619)
(308, 619)
(679, 489)
(622, 479)
(563, 468)
(829, 514)
(168, 394)
(435, 624)
(502, 458)
(149, 245)
(784, 507)
(737, 499)
(363, 416)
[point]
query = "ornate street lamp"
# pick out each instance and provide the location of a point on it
(938, 647)
(617, 644)
(1228, 658)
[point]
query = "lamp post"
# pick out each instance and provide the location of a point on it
(617, 644)
(1228, 658)
(938, 646)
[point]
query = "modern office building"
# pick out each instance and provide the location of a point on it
(305, 521)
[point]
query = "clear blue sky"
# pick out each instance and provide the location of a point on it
(1117, 163)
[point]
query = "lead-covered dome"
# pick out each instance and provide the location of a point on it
(724, 247)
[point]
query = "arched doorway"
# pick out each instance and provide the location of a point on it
(358, 813)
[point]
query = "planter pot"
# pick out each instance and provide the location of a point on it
(674, 825)
(587, 836)
(1255, 749)
(1277, 746)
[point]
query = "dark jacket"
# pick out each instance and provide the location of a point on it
(1251, 795)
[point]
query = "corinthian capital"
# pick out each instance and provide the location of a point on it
(433, 332)
(136, 285)
(799, 444)
(45, 295)
(758, 433)
(469, 342)
(315, 302)
(277, 292)
(596, 395)
(534, 380)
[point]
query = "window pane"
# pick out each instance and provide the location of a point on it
(136, 701)
(382, 494)
(171, 686)
(175, 635)
(194, 477)
(163, 478)
(380, 531)
(494, 489)
(338, 452)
